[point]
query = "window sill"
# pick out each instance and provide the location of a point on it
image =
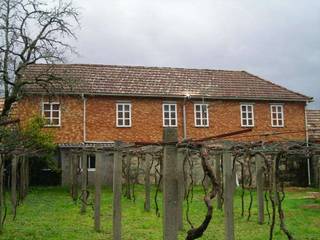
(123, 126)
(247, 126)
(201, 126)
(277, 126)
(91, 169)
(52, 126)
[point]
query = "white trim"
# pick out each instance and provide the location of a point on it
(176, 115)
(123, 117)
(277, 117)
(51, 110)
(201, 114)
(246, 112)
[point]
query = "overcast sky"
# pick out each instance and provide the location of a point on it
(278, 40)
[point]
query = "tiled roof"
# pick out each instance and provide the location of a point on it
(313, 120)
(158, 82)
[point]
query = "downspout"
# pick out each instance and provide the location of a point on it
(187, 97)
(307, 142)
(84, 118)
(184, 120)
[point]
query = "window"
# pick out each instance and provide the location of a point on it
(169, 115)
(247, 115)
(201, 117)
(91, 162)
(277, 116)
(123, 114)
(51, 113)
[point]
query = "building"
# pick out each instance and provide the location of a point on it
(98, 104)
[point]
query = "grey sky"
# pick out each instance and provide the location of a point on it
(278, 40)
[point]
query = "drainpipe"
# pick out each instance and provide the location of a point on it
(187, 97)
(84, 117)
(307, 142)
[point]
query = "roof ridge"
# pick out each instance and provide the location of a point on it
(137, 66)
(275, 84)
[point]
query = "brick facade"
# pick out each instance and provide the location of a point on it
(147, 125)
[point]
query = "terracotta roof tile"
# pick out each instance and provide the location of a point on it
(158, 81)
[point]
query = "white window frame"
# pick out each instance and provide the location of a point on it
(90, 169)
(247, 118)
(277, 116)
(123, 115)
(201, 115)
(163, 115)
(51, 111)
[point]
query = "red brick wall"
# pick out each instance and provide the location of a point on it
(224, 116)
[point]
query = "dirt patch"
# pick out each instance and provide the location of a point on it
(311, 206)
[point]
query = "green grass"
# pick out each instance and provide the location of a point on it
(49, 213)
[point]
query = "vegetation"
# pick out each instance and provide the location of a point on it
(50, 213)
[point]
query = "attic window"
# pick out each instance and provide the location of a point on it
(51, 113)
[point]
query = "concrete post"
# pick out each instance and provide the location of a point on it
(84, 181)
(180, 159)
(228, 196)
(117, 185)
(170, 184)
(148, 160)
(1, 191)
(14, 163)
(260, 188)
(97, 195)
(217, 164)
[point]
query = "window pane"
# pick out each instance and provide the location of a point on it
(120, 107)
(126, 107)
(127, 122)
(280, 123)
(127, 115)
(198, 122)
(249, 108)
(166, 115)
(55, 106)
(249, 115)
(198, 115)
(55, 121)
(250, 123)
(120, 122)
(274, 122)
(244, 122)
(205, 122)
(243, 108)
(166, 107)
(47, 114)
(166, 122)
(120, 114)
(279, 109)
(173, 107)
(46, 106)
(274, 109)
(197, 107)
(173, 115)
(279, 115)
(91, 161)
(204, 114)
(55, 114)
(274, 115)
(244, 115)
(173, 122)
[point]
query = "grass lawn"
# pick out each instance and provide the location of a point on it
(49, 213)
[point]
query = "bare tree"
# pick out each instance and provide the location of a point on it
(32, 31)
